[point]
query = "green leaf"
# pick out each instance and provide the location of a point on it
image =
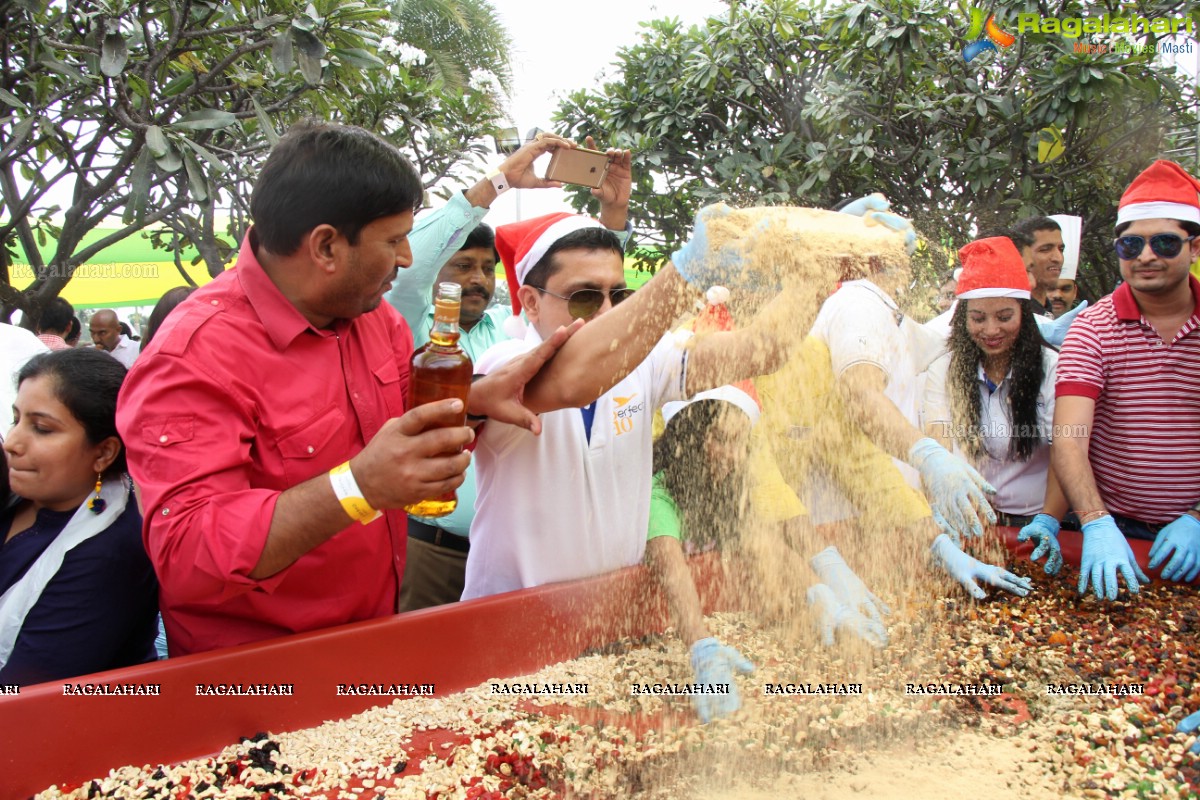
(264, 123)
(11, 99)
(269, 22)
(309, 51)
(139, 87)
(205, 119)
(197, 182)
(206, 154)
(168, 161)
(114, 54)
(358, 57)
(281, 53)
(179, 84)
(156, 140)
(139, 189)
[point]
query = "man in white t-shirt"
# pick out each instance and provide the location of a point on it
(17, 346)
(574, 501)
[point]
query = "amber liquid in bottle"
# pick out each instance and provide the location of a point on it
(441, 371)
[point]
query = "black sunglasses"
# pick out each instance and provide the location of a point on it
(584, 303)
(1164, 245)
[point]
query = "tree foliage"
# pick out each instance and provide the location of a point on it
(159, 112)
(783, 102)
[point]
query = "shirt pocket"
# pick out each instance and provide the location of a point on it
(162, 457)
(307, 450)
(393, 386)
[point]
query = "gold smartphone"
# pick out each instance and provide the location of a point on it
(578, 165)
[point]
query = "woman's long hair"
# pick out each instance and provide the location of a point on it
(1027, 374)
(710, 505)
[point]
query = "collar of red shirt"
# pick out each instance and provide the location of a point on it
(283, 321)
(1126, 305)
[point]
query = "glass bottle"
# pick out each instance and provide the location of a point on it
(441, 371)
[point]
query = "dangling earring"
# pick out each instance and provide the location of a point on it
(97, 503)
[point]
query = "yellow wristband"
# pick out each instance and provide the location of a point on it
(350, 496)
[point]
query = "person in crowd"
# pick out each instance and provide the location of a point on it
(74, 332)
(1063, 296)
(106, 335)
(698, 499)
(268, 414)
(77, 592)
(17, 346)
(1129, 361)
(54, 323)
(990, 399)
(435, 570)
(598, 395)
(945, 296)
(1040, 242)
(165, 305)
(127, 332)
(877, 355)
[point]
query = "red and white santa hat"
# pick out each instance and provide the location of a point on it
(992, 267)
(522, 245)
(1164, 190)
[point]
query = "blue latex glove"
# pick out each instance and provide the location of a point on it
(832, 615)
(1189, 725)
(1105, 551)
(967, 570)
(954, 488)
(876, 207)
(850, 591)
(702, 267)
(1181, 537)
(1044, 530)
(1054, 331)
(714, 664)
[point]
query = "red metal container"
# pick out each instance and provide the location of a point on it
(47, 737)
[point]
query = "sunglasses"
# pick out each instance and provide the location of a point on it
(1164, 245)
(584, 303)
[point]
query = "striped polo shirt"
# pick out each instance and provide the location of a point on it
(1145, 438)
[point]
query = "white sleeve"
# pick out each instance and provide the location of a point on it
(667, 365)
(1046, 394)
(935, 405)
(859, 328)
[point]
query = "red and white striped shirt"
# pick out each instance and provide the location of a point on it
(1145, 439)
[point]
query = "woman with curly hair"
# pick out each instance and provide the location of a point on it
(991, 397)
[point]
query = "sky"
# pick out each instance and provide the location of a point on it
(556, 51)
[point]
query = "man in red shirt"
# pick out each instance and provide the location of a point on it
(1127, 415)
(267, 418)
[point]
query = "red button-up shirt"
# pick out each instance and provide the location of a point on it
(237, 399)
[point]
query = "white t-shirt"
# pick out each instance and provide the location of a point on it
(17, 346)
(1020, 485)
(555, 507)
(861, 324)
(126, 351)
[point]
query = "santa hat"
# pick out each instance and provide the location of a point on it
(1072, 232)
(992, 267)
(728, 393)
(1163, 191)
(522, 245)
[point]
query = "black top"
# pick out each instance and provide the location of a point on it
(98, 612)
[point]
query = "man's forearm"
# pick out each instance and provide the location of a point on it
(1069, 458)
(668, 565)
(877, 415)
(306, 516)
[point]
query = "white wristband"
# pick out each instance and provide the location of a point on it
(350, 496)
(499, 181)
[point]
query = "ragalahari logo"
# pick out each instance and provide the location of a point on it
(984, 35)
